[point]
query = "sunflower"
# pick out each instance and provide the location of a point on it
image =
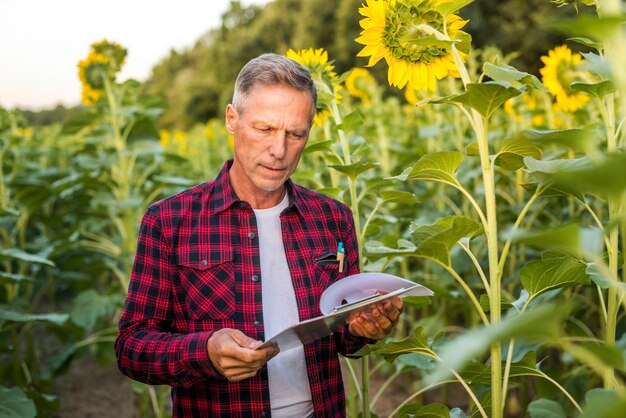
(92, 71)
(403, 32)
(324, 76)
(103, 61)
(561, 68)
(359, 84)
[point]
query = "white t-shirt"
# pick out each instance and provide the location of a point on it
(290, 392)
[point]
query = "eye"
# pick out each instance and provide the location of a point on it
(264, 130)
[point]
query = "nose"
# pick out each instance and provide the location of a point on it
(278, 147)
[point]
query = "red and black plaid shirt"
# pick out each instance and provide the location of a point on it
(197, 270)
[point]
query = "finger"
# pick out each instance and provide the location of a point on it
(391, 311)
(382, 320)
(357, 330)
(397, 302)
(367, 328)
(243, 340)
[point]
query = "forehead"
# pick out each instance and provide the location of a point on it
(279, 101)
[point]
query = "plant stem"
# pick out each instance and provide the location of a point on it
(494, 273)
(354, 206)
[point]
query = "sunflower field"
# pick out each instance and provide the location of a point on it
(501, 190)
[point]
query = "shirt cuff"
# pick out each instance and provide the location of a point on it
(195, 356)
(352, 343)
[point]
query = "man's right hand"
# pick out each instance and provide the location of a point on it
(234, 356)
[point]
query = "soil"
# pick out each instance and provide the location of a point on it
(88, 390)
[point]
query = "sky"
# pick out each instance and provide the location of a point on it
(42, 41)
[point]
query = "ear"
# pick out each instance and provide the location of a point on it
(232, 118)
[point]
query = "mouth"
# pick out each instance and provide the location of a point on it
(274, 169)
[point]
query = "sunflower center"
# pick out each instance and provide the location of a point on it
(566, 74)
(404, 34)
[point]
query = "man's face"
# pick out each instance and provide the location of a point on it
(270, 135)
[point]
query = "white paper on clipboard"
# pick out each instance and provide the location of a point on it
(343, 299)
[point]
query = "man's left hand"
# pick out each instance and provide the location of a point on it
(377, 322)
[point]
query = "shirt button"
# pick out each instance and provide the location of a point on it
(204, 263)
(251, 235)
(263, 414)
(242, 205)
(256, 324)
(254, 278)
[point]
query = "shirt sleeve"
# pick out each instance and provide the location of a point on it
(148, 348)
(346, 342)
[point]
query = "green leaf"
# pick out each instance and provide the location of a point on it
(417, 342)
(428, 40)
(472, 150)
(545, 408)
(597, 276)
(14, 278)
(316, 146)
(480, 373)
(553, 191)
(398, 196)
(15, 404)
(330, 191)
(438, 166)
(457, 413)
(174, 181)
(448, 7)
(351, 121)
(603, 403)
(90, 307)
(577, 139)
(9, 212)
(485, 98)
(569, 238)
(598, 90)
(353, 170)
(555, 270)
(597, 64)
(521, 326)
(376, 249)
(485, 303)
(17, 254)
(78, 122)
(594, 27)
(605, 176)
(434, 241)
(513, 151)
(603, 353)
(504, 72)
(437, 240)
(15, 316)
(437, 100)
(433, 410)
(587, 42)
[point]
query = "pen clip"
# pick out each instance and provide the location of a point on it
(340, 256)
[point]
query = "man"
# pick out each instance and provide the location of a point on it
(224, 265)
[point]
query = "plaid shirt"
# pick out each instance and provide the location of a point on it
(197, 270)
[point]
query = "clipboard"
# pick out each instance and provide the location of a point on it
(358, 293)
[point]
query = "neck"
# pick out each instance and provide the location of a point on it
(257, 198)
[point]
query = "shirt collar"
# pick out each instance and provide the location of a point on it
(224, 195)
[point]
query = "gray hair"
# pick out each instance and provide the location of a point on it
(273, 69)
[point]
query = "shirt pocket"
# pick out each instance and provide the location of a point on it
(209, 284)
(327, 268)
